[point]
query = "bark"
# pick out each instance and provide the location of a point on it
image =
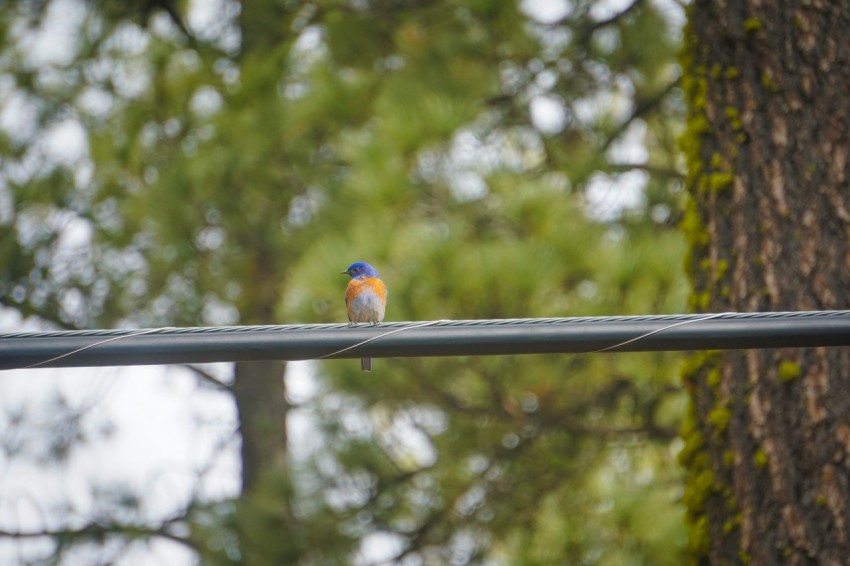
(768, 446)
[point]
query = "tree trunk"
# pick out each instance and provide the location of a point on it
(261, 403)
(264, 25)
(258, 389)
(767, 446)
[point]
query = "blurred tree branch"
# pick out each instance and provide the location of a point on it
(97, 532)
(642, 107)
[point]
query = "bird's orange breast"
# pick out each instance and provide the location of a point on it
(373, 284)
(365, 300)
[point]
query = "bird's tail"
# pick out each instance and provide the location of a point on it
(366, 364)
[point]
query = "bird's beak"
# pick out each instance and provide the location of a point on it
(343, 273)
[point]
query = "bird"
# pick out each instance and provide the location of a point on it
(365, 298)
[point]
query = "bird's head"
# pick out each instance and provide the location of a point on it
(360, 269)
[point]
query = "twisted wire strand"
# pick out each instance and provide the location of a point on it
(92, 345)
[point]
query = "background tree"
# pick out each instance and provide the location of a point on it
(768, 223)
(234, 166)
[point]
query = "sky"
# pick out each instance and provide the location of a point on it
(152, 429)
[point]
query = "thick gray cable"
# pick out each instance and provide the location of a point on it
(432, 338)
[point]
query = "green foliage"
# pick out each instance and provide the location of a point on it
(233, 187)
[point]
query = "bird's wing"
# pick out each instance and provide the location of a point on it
(350, 292)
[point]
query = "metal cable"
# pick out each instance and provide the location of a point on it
(448, 323)
(65, 348)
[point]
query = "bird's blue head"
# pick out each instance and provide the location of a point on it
(360, 269)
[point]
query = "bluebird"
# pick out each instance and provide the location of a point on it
(365, 299)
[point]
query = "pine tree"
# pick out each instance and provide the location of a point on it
(766, 444)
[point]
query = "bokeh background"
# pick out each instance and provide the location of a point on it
(213, 162)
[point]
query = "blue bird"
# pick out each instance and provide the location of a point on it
(365, 298)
